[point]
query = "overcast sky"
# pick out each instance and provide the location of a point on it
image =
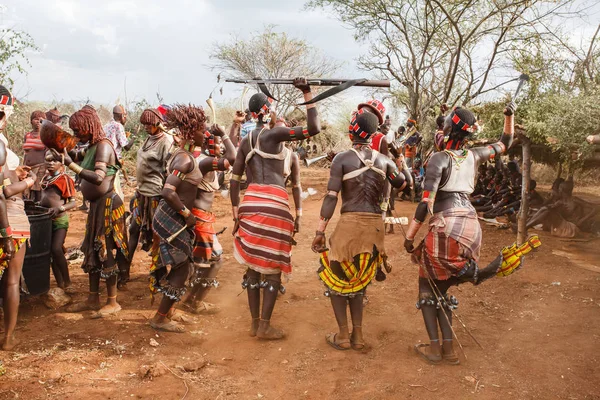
(89, 48)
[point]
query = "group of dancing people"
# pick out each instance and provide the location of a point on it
(177, 177)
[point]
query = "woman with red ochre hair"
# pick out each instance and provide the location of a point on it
(105, 242)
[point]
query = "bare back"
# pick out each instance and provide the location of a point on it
(362, 181)
(264, 170)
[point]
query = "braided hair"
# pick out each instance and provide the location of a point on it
(87, 122)
(187, 119)
(150, 116)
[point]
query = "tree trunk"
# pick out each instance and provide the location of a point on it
(526, 176)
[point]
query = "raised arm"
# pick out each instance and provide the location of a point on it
(313, 125)
(433, 176)
(296, 190)
(182, 164)
(329, 203)
(483, 154)
(230, 151)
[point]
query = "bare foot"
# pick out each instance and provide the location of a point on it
(167, 326)
(254, 327)
(109, 309)
(267, 332)
(10, 343)
(83, 306)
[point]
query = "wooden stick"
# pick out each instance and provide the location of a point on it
(312, 82)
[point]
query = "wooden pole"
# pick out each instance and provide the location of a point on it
(526, 176)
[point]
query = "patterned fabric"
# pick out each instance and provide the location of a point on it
(263, 241)
(171, 255)
(105, 235)
(207, 248)
(17, 218)
(3, 262)
(61, 222)
(33, 142)
(348, 277)
(247, 127)
(115, 132)
(142, 210)
(511, 255)
(453, 239)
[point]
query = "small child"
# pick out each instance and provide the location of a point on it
(58, 191)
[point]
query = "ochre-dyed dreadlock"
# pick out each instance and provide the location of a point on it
(87, 122)
(188, 119)
(150, 117)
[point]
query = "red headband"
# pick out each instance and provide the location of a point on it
(461, 124)
(354, 129)
(264, 110)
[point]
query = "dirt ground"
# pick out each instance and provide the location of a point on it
(539, 329)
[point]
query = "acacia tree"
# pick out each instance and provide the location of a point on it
(14, 46)
(272, 54)
(444, 52)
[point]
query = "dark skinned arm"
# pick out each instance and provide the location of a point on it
(6, 242)
(296, 190)
(394, 177)
(103, 156)
(15, 188)
(239, 167)
(69, 204)
(185, 164)
(129, 144)
(236, 128)
(384, 147)
(433, 176)
(209, 164)
(483, 154)
(329, 203)
(26, 180)
(230, 151)
(313, 125)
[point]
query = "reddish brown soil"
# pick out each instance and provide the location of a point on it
(539, 331)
